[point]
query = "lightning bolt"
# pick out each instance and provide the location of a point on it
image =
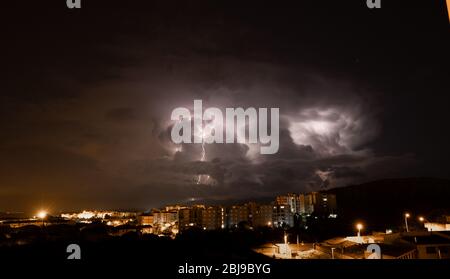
(198, 132)
(201, 178)
(202, 159)
(324, 176)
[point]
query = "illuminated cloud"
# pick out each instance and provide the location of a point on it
(88, 123)
(332, 131)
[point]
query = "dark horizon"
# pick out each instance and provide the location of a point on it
(87, 97)
(422, 185)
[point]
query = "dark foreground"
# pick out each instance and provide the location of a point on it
(227, 254)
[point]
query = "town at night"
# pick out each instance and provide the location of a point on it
(225, 139)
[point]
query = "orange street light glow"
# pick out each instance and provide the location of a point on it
(42, 214)
(448, 9)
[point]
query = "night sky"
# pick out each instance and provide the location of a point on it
(86, 97)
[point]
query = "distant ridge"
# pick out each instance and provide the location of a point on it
(385, 201)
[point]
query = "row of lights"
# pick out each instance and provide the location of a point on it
(42, 214)
(360, 226)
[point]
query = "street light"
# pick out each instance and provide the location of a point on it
(359, 226)
(422, 220)
(41, 215)
(406, 221)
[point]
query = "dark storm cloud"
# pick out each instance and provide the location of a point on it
(86, 112)
(121, 114)
(123, 128)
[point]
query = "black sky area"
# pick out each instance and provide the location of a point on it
(87, 95)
